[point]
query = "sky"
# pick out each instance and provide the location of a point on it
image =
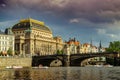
(86, 20)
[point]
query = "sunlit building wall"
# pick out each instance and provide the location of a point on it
(6, 43)
(72, 47)
(35, 38)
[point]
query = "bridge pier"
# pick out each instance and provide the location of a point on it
(115, 59)
(67, 60)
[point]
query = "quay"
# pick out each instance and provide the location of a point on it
(15, 61)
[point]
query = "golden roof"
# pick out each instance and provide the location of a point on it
(29, 23)
(32, 20)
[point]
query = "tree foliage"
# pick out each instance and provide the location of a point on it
(59, 52)
(114, 46)
(1, 54)
(9, 52)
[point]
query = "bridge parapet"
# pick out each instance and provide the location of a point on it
(67, 60)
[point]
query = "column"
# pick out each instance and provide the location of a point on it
(20, 48)
(67, 60)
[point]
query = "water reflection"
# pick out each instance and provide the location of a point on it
(61, 73)
(22, 75)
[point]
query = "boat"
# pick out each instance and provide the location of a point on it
(98, 65)
(14, 67)
(44, 67)
(40, 67)
(108, 65)
(8, 67)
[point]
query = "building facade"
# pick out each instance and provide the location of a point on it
(6, 43)
(34, 37)
(88, 48)
(72, 47)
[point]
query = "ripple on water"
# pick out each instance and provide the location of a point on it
(61, 73)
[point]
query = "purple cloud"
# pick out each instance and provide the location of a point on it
(92, 10)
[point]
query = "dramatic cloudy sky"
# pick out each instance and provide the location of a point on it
(83, 19)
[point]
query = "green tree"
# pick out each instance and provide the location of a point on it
(114, 47)
(1, 54)
(9, 52)
(59, 52)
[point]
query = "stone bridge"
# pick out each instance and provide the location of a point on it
(68, 60)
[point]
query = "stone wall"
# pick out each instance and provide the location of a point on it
(15, 61)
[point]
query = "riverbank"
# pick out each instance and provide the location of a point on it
(15, 61)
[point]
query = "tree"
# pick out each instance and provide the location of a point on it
(59, 51)
(1, 54)
(114, 47)
(9, 52)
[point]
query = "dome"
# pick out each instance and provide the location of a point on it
(31, 23)
(8, 31)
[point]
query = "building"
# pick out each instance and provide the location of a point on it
(7, 41)
(86, 48)
(100, 48)
(72, 47)
(34, 37)
(94, 49)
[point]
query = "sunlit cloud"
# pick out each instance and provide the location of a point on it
(75, 20)
(111, 30)
(3, 5)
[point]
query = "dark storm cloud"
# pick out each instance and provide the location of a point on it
(2, 1)
(92, 10)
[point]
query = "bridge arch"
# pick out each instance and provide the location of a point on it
(68, 60)
(93, 61)
(56, 63)
(46, 61)
(77, 59)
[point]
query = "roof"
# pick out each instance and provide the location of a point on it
(73, 42)
(31, 23)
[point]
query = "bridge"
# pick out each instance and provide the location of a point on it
(69, 60)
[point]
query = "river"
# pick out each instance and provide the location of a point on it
(62, 73)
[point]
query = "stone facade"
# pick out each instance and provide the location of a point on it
(15, 61)
(34, 37)
(72, 47)
(6, 42)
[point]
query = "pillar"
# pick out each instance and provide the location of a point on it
(20, 48)
(66, 60)
(115, 59)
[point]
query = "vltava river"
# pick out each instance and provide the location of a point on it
(62, 73)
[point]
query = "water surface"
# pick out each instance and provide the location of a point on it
(62, 73)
